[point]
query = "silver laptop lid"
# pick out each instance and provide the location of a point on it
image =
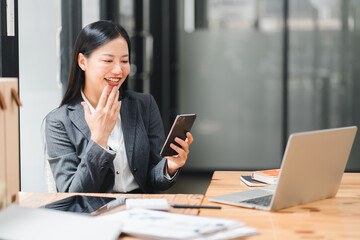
(312, 166)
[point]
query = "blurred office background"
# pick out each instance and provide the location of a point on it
(254, 71)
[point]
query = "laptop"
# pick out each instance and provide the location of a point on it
(311, 170)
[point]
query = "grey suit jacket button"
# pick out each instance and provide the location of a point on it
(135, 170)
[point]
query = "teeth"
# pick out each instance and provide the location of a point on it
(113, 79)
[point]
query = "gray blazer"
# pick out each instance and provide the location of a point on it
(80, 165)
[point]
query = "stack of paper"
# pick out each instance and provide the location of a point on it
(148, 203)
(38, 223)
(146, 223)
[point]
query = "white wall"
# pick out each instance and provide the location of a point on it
(40, 92)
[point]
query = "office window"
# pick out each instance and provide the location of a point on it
(230, 66)
(324, 67)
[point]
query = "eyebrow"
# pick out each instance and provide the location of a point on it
(111, 55)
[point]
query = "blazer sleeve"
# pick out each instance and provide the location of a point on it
(156, 137)
(73, 173)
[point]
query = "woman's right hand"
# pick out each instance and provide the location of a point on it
(102, 121)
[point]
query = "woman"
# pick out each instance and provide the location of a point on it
(104, 138)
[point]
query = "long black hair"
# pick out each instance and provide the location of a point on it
(90, 38)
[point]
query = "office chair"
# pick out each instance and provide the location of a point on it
(49, 177)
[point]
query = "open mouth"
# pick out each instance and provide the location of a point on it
(113, 81)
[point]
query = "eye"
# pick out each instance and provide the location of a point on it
(125, 61)
(107, 61)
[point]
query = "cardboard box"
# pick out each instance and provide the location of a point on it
(9, 141)
(2, 154)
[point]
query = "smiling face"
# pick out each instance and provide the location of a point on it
(107, 65)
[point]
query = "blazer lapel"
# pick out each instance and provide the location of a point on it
(77, 116)
(128, 118)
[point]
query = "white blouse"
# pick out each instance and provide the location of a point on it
(124, 180)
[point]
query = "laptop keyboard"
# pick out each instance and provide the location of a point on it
(262, 201)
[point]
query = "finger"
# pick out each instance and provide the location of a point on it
(183, 144)
(104, 96)
(179, 150)
(116, 110)
(110, 100)
(86, 108)
(119, 107)
(116, 99)
(189, 138)
(114, 105)
(87, 111)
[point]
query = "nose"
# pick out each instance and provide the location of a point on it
(117, 68)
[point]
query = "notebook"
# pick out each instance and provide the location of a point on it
(311, 170)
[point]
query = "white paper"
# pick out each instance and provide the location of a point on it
(148, 203)
(165, 225)
(42, 224)
(231, 233)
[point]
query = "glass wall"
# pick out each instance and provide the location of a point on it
(230, 75)
(324, 67)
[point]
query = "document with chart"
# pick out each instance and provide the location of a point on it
(146, 223)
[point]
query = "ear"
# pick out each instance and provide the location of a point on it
(82, 61)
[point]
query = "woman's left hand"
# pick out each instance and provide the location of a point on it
(177, 161)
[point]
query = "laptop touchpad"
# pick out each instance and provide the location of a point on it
(250, 194)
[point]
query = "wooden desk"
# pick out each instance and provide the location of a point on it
(335, 218)
(36, 199)
(27, 199)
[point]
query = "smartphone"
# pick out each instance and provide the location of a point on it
(180, 127)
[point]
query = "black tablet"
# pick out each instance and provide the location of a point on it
(79, 203)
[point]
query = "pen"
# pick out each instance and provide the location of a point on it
(194, 206)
